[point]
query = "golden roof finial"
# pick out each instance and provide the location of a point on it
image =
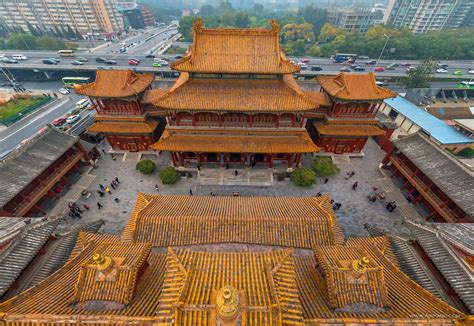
(228, 303)
(359, 266)
(275, 26)
(104, 263)
(197, 25)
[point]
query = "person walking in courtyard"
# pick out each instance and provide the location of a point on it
(190, 192)
(99, 205)
(87, 207)
(236, 173)
(326, 180)
(104, 152)
(112, 185)
(156, 187)
(117, 200)
(117, 180)
(354, 186)
(102, 188)
(107, 190)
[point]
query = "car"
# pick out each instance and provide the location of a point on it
(316, 68)
(163, 62)
(354, 65)
(345, 69)
(390, 67)
(134, 59)
(73, 111)
(379, 69)
(63, 91)
(156, 64)
(458, 73)
(359, 68)
(100, 59)
(410, 68)
(371, 62)
(406, 64)
(73, 118)
(303, 65)
(77, 63)
(442, 65)
(380, 83)
(82, 59)
(59, 121)
(55, 60)
(100, 68)
(49, 62)
(394, 64)
(179, 56)
(19, 57)
(9, 60)
(133, 63)
(110, 62)
(150, 56)
(470, 71)
(364, 57)
(441, 71)
(305, 60)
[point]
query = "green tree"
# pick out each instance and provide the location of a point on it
(314, 16)
(225, 6)
(207, 10)
(419, 76)
(295, 32)
(146, 166)
(185, 27)
(242, 19)
(303, 177)
(169, 175)
(323, 166)
(328, 33)
(21, 41)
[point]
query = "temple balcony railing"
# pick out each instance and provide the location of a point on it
(425, 190)
(30, 199)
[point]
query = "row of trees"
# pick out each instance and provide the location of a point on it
(23, 41)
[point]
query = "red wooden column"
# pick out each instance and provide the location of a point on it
(290, 160)
(270, 161)
(173, 158)
(181, 159)
(193, 117)
(298, 160)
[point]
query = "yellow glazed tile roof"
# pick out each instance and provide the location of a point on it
(354, 87)
(186, 220)
(348, 130)
(231, 50)
(230, 141)
(112, 127)
(116, 83)
(252, 95)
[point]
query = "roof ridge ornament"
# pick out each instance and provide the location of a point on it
(274, 26)
(359, 266)
(197, 25)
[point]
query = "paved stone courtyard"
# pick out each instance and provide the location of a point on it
(355, 211)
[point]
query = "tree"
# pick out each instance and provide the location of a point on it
(207, 10)
(21, 41)
(185, 27)
(296, 32)
(225, 6)
(328, 33)
(169, 176)
(323, 166)
(419, 76)
(146, 166)
(241, 19)
(303, 177)
(314, 16)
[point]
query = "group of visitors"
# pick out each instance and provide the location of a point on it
(106, 189)
(75, 211)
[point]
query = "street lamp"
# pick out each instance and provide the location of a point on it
(383, 49)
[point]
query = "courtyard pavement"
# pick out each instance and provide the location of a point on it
(355, 211)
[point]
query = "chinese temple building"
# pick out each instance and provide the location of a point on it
(235, 101)
(168, 268)
(433, 179)
(350, 115)
(117, 97)
(36, 175)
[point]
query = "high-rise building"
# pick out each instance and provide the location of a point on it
(351, 19)
(429, 15)
(84, 16)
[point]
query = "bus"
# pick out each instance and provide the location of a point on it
(343, 57)
(466, 84)
(69, 82)
(66, 53)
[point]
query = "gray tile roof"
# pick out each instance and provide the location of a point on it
(456, 181)
(451, 267)
(21, 167)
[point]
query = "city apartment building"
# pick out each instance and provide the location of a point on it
(352, 19)
(429, 15)
(86, 16)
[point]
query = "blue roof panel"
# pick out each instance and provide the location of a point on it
(436, 128)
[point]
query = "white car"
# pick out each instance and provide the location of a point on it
(441, 71)
(303, 65)
(63, 91)
(19, 57)
(471, 71)
(73, 118)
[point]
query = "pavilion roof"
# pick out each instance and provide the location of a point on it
(232, 50)
(348, 130)
(184, 220)
(354, 87)
(235, 141)
(116, 127)
(116, 83)
(255, 95)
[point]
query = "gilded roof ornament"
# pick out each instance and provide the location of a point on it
(197, 25)
(104, 263)
(228, 303)
(359, 266)
(274, 26)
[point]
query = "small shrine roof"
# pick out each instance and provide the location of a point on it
(232, 50)
(235, 141)
(348, 130)
(255, 95)
(186, 220)
(124, 127)
(116, 83)
(354, 87)
(153, 95)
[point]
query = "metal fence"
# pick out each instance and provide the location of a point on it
(11, 120)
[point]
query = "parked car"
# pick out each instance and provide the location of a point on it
(77, 63)
(359, 68)
(441, 71)
(73, 111)
(379, 69)
(458, 73)
(59, 121)
(49, 62)
(82, 59)
(100, 59)
(9, 60)
(19, 57)
(371, 62)
(471, 71)
(150, 56)
(110, 62)
(73, 118)
(63, 91)
(133, 63)
(316, 68)
(345, 69)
